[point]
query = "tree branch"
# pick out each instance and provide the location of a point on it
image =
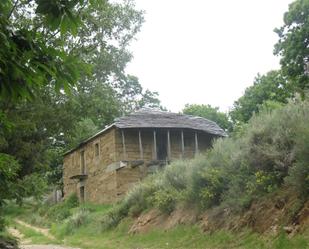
(13, 8)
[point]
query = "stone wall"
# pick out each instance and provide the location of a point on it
(100, 186)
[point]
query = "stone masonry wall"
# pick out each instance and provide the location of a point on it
(100, 186)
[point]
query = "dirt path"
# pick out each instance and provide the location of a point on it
(25, 243)
(18, 235)
(43, 231)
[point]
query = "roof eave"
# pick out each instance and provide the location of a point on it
(88, 139)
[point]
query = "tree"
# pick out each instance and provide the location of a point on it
(293, 44)
(30, 58)
(132, 95)
(79, 49)
(270, 87)
(54, 42)
(8, 173)
(209, 112)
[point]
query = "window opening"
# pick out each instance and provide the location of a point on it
(97, 149)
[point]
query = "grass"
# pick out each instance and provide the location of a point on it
(34, 236)
(90, 235)
(180, 237)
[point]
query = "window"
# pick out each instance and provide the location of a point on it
(97, 149)
(82, 162)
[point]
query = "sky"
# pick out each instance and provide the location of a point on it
(205, 51)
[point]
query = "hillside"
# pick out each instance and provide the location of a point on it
(249, 191)
(266, 159)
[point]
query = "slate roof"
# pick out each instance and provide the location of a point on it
(155, 118)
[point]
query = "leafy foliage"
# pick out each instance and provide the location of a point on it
(8, 173)
(133, 97)
(209, 112)
(293, 44)
(82, 130)
(48, 45)
(62, 211)
(270, 88)
(29, 57)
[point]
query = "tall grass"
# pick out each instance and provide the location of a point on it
(271, 150)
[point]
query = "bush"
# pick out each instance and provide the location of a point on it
(79, 218)
(62, 210)
(36, 220)
(113, 217)
(165, 200)
(136, 200)
(72, 201)
(299, 172)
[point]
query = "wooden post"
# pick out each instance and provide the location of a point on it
(169, 153)
(82, 162)
(155, 145)
(124, 146)
(196, 143)
(140, 145)
(182, 145)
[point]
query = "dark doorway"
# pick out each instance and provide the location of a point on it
(82, 194)
(161, 145)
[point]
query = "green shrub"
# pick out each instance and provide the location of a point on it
(135, 210)
(78, 219)
(176, 175)
(299, 172)
(209, 183)
(72, 201)
(114, 216)
(165, 200)
(36, 220)
(62, 210)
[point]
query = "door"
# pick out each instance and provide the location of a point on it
(162, 145)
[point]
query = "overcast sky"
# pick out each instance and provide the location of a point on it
(203, 51)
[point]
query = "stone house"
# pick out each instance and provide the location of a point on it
(105, 166)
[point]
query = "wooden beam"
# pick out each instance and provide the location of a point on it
(155, 145)
(169, 153)
(140, 145)
(196, 143)
(124, 145)
(182, 145)
(82, 162)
